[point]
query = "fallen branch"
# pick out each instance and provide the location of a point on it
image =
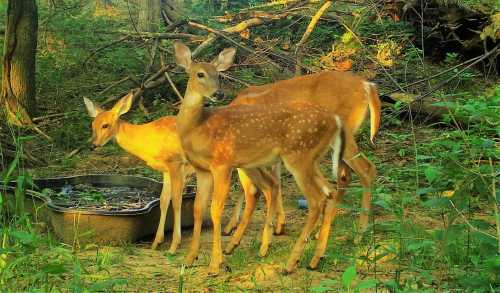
(215, 33)
(116, 83)
(238, 28)
(105, 46)
(307, 33)
(167, 76)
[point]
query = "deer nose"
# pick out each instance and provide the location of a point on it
(93, 146)
(219, 94)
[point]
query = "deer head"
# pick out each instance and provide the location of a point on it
(106, 123)
(204, 77)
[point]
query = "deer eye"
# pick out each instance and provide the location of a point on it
(200, 75)
(105, 125)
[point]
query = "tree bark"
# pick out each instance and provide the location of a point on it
(149, 15)
(18, 99)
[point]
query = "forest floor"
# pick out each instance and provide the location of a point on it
(435, 201)
(376, 256)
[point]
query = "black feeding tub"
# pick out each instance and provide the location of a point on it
(103, 208)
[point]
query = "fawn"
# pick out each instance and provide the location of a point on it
(217, 140)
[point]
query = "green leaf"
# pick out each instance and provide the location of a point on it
(367, 284)
(107, 284)
(431, 173)
(54, 268)
(348, 276)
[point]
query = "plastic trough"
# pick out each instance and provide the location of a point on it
(74, 226)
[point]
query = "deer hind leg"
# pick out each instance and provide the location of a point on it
(302, 170)
(177, 178)
(280, 211)
(267, 184)
(250, 194)
(166, 194)
(222, 184)
(204, 186)
(366, 172)
(334, 199)
(248, 187)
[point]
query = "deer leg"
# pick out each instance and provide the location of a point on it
(177, 178)
(166, 194)
(266, 183)
(250, 200)
(280, 211)
(366, 172)
(247, 186)
(304, 176)
(222, 183)
(204, 185)
(334, 198)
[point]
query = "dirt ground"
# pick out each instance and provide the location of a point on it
(157, 271)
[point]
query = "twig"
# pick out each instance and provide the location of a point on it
(126, 78)
(167, 76)
(432, 76)
(468, 223)
(307, 33)
(39, 118)
(160, 36)
(443, 83)
(225, 75)
(105, 46)
(142, 107)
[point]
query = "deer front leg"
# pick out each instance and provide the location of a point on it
(177, 182)
(204, 184)
(166, 194)
(222, 182)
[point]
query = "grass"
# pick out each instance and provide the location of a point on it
(433, 226)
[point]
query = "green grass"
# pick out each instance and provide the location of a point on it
(433, 225)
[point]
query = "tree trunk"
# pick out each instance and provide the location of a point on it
(18, 101)
(149, 15)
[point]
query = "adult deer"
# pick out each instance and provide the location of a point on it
(343, 94)
(215, 141)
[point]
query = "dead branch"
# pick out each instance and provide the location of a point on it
(160, 36)
(238, 28)
(105, 46)
(307, 33)
(219, 33)
(167, 76)
(116, 83)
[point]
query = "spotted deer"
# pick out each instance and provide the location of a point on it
(217, 140)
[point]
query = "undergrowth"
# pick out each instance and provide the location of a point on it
(435, 220)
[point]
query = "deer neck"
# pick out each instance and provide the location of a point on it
(126, 139)
(191, 111)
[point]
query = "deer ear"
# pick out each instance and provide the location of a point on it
(182, 55)
(92, 108)
(123, 105)
(225, 59)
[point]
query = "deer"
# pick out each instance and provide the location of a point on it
(250, 137)
(161, 152)
(344, 94)
(157, 144)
